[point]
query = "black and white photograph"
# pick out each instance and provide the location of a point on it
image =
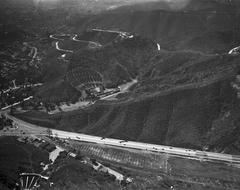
(119, 94)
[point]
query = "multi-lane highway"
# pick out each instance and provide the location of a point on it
(188, 153)
(172, 151)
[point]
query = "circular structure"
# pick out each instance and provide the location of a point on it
(30, 180)
(86, 81)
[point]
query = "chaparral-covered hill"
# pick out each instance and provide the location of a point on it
(118, 62)
(182, 99)
(184, 95)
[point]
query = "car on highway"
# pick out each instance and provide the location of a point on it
(123, 141)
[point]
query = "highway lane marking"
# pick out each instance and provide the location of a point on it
(187, 153)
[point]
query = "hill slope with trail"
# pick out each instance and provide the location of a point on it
(187, 102)
(203, 26)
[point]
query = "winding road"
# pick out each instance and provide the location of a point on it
(64, 50)
(92, 44)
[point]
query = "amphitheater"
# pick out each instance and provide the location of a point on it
(86, 81)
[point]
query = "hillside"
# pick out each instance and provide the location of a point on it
(118, 62)
(181, 83)
(210, 29)
(187, 102)
(193, 118)
(151, 71)
(179, 5)
(125, 57)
